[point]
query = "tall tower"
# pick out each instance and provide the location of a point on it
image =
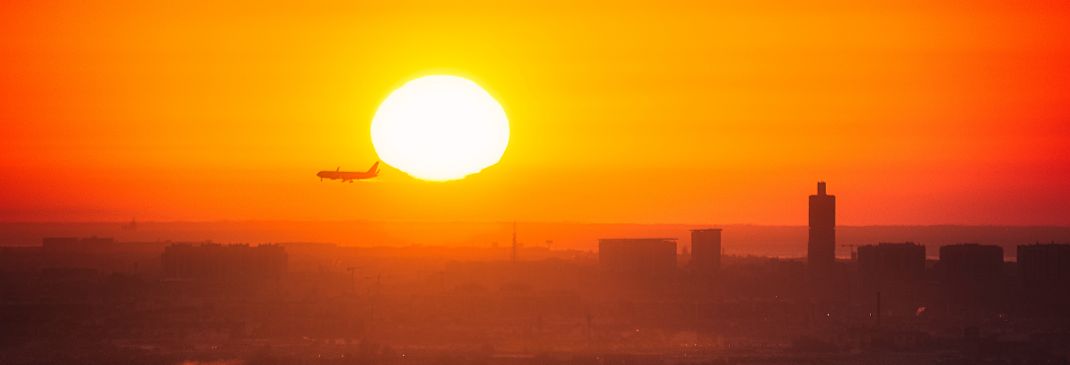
(821, 249)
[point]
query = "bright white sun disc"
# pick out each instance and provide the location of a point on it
(440, 128)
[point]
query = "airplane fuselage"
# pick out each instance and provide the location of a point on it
(349, 175)
(345, 175)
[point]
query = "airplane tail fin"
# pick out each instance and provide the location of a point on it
(374, 168)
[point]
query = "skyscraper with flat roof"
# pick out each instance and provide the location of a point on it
(970, 264)
(706, 250)
(1044, 267)
(970, 274)
(887, 261)
(821, 247)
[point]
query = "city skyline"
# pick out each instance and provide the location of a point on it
(821, 245)
(640, 297)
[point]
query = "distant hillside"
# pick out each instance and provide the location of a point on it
(783, 241)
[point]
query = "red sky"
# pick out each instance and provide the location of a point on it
(916, 113)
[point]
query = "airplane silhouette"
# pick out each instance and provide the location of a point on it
(349, 176)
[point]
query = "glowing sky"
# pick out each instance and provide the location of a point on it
(915, 112)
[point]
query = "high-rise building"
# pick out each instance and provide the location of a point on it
(904, 262)
(821, 247)
(970, 275)
(706, 250)
(970, 264)
(640, 257)
(1045, 273)
(1044, 267)
(895, 272)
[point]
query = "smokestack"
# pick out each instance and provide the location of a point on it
(821, 188)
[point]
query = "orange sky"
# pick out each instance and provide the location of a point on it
(916, 113)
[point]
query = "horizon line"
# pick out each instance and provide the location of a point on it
(510, 222)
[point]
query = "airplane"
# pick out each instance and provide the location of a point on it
(349, 176)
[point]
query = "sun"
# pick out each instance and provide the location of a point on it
(440, 128)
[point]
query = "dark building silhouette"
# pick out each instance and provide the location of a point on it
(102, 254)
(821, 247)
(77, 245)
(1043, 264)
(642, 257)
(1045, 272)
(970, 275)
(970, 264)
(892, 261)
(706, 250)
(893, 272)
(59, 243)
(224, 262)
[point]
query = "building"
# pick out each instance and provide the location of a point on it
(970, 264)
(211, 261)
(821, 246)
(894, 272)
(887, 262)
(706, 250)
(1044, 266)
(970, 276)
(640, 257)
(61, 245)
